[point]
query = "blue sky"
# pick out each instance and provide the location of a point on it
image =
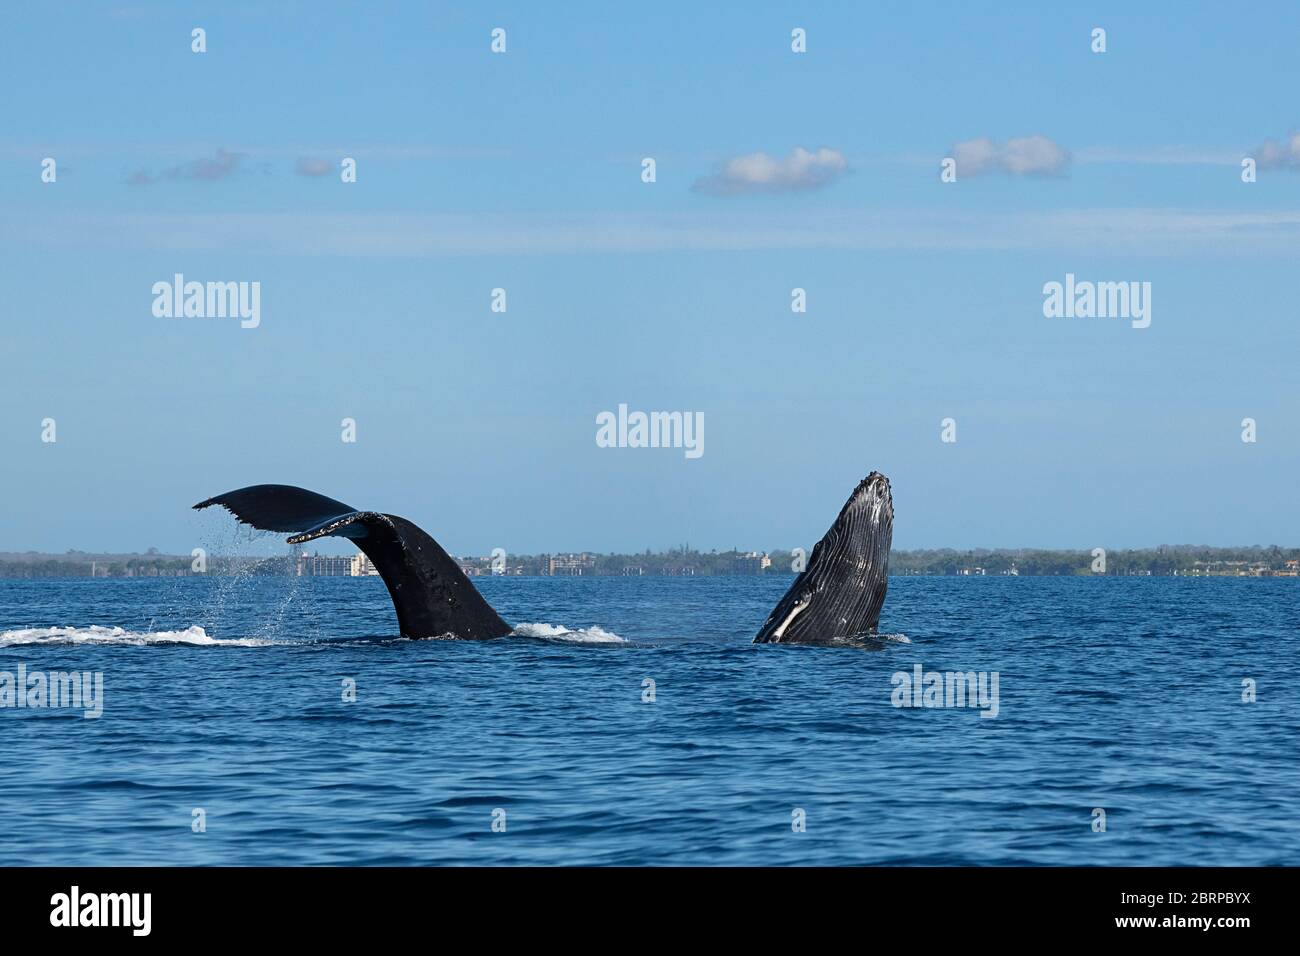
(522, 171)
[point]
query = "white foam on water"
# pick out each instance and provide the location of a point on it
(554, 632)
(95, 634)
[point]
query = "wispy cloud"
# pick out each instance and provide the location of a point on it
(1137, 232)
(1275, 155)
(219, 167)
(395, 152)
(312, 167)
(762, 173)
(1022, 156)
(208, 169)
(1157, 156)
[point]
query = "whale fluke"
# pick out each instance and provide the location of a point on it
(430, 593)
(840, 593)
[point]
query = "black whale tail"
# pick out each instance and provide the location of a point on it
(430, 593)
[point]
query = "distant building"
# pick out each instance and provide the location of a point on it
(331, 566)
(571, 565)
(1235, 569)
(491, 565)
(323, 566)
(750, 563)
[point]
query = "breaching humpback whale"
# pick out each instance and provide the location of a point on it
(838, 596)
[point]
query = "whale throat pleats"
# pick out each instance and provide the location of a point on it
(840, 594)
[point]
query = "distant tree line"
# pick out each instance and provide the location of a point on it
(74, 565)
(1163, 560)
(62, 568)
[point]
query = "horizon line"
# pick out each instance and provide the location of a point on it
(690, 550)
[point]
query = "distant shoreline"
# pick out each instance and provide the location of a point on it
(1163, 561)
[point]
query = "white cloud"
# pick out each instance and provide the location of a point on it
(1021, 156)
(761, 173)
(1133, 231)
(1275, 155)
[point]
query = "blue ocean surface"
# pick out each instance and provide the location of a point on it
(1123, 695)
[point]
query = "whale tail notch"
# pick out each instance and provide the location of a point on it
(431, 594)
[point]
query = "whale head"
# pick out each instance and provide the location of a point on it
(840, 594)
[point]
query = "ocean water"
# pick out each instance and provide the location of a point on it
(226, 695)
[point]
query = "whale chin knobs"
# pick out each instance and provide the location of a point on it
(840, 593)
(430, 592)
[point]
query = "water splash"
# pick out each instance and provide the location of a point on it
(95, 634)
(554, 632)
